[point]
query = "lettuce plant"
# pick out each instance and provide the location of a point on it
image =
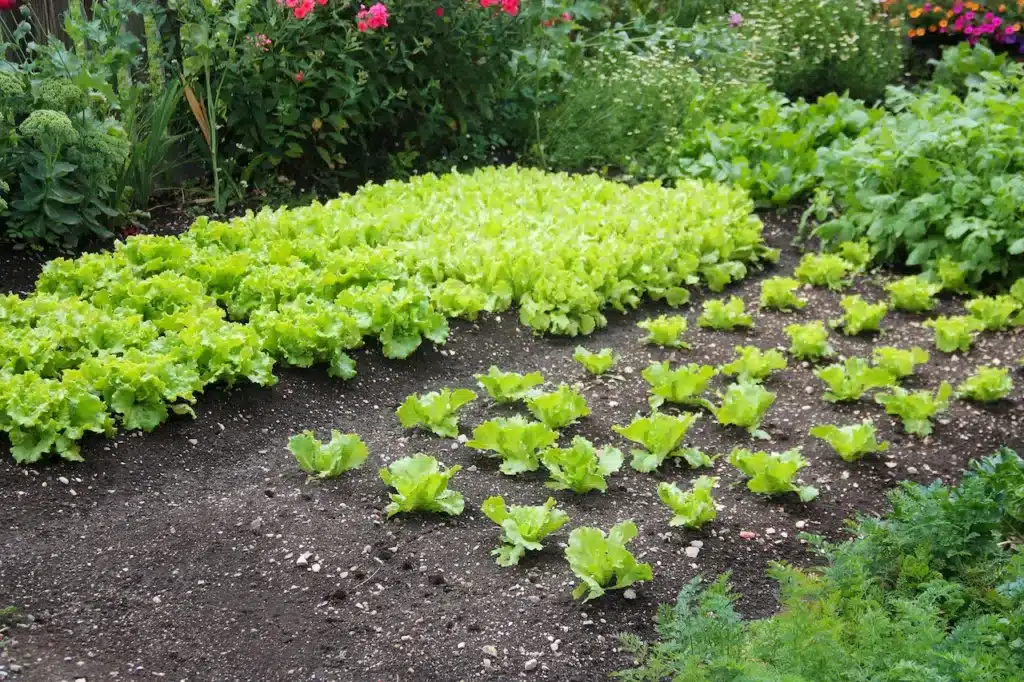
(779, 293)
(986, 385)
(860, 316)
(914, 294)
(955, 332)
(899, 362)
(693, 508)
(421, 485)
(343, 453)
(809, 341)
(661, 435)
(595, 363)
(522, 527)
(508, 387)
(773, 473)
(665, 330)
(823, 270)
(515, 440)
(745, 404)
(916, 408)
(995, 312)
(851, 442)
(857, 253)
(1017, 290)
(754, 364)
(558, 408)
(436, 411)
(725, 315)
(852, 379)
(602, 562)
(682, 385)
(581, 467)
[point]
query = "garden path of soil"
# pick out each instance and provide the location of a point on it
(173, 555)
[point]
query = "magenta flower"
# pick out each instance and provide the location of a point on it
(735, 19)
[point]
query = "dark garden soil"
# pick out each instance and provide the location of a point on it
(174, 555)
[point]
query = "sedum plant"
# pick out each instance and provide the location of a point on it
(995, 312)
(508, 387)
(343, 453)
(693, 508)
(809, 341)
(581, 467)
(899, 362)
(852, 379)
(955, 333)
(682, 385)
(558, 408)
(436, 411)
(595, 363)
(745, 404)
(916, 408)
(754, 364)
(515, 440)
(725, 315)
(661, 435)
(986, 385)
(773, 473)
(421, 485)
(602, 562)
(851, 442)
(779, 293)
(860, 316)
(914, 294)
(824, 270)
(665, 331)
(522, 527)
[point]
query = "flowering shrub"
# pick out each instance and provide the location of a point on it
(996, 22)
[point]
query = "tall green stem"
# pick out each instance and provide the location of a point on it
(211, 122)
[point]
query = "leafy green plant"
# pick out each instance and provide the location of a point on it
(558, 408)
(954, 333)
(602, 562)
(580, 467)
(753, 364)
(823, 270)
(914, 294)
(852, 379)
(779, 293)
(899, 362)
(856, 253)
(861, 316)
(809, 341)
(665, 330)
(523, 528)
(851, 442)
(745, 404)
(595, 363)
(421, 485)
(995, 312)
(682, 385)
(916, 408)
(693, 508)
(343, 453)
(773, 473)
(725, 315)
(435, 411)
(661, 435)
(516, 441)
(508, 387)
(986, 385)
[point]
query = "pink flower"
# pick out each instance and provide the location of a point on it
(362, 26)
(488, 3)
(373, 18)
(510, 7)
(321, 2)
(566, 17)
(439, 11)
(304, 8)
(300, 76)
(958, 8)
(735, 19)
(969, 16)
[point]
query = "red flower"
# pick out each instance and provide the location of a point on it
(510, 7)
(439, 11)
(8, 5)
(362, 26)
(300, 76)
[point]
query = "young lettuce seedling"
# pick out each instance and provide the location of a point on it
(851, 442)
(995, 312)
(523, 528)
(986, 385)
(899, 362)
(436, 411)
(580, 467)
(914, 294)
(515, 440)
(421, 485)
(852, 379)
(779, 293)
(595, 363)
(343, 453)
(809, 341)
(665, 331)
(558, 408)
(955, 333)
(682, 385)
(693, 508)
(745, 404)
(508, 387)
(773, 473)
(860, 316)
(725, 315)
(602, 562)
(754, 364)
(661, 435)
(916, 408)
(824, 270)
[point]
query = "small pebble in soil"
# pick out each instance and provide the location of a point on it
(530, 665)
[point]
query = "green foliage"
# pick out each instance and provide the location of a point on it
(682, 385)
(899, 362)
(661, 435)
(779, 293)
(421, 485)
(916, 408)
(602, 562)
(772, 473)
(516, 441)
(861, 316)
(986, 385)
(665, 330)
(693, 508)
(824, 270)
(343, 453)
(745, 404)
(954, 333)
(914, 294)
(857, 253)
(508, 387)
(725, 315)
(558, 408)
(580, 467)
(964, 66)
(809, 341)
(522, 527)
(595, 363)
(436, 411)
(852, 379)
(851, 442)
(995, 312)
(754, 364)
